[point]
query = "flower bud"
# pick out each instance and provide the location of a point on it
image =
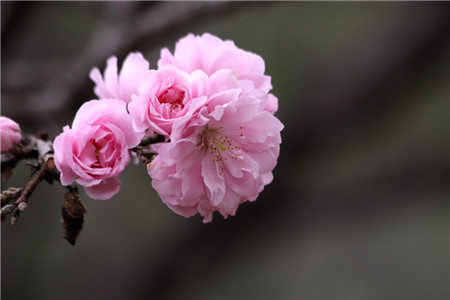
(8, 209)
(15, 217)
(10, 133)
(22, 206)
(73, 205)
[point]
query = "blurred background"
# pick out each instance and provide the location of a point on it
(359, 205)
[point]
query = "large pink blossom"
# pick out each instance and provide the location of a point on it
(166, 95)
(120, 85)
(95, 150)
(220, 157)
(10, 133)
(211, 54)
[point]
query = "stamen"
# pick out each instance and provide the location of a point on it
(219, 146)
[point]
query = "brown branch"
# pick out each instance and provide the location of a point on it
(15, 200)
(30, 147)
(35, 147)
(46, 172)
(143, 151)
(10, 195)
(26, 149)
(31, 185)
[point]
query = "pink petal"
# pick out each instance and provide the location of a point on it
(104, 190)
(135, 66)
(213, 179)
(63, 154)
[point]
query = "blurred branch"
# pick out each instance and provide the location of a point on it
(119, 29)
(152, 25)
(12, 14)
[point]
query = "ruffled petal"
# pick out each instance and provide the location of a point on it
(105, 189)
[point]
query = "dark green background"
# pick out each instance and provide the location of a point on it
(359, 206)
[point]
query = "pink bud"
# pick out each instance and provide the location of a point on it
(10, 133)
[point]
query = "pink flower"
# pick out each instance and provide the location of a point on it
(122, 85)
(164, 96)
(220, 157)
(10, 133)
(95, 150)
(211, 54)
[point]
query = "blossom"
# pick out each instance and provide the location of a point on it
(211, 54)
(122, 85)
(221, 156)
(10, 133)
(95, 150)
(166, 95)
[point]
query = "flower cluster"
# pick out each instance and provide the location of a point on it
(210, 101)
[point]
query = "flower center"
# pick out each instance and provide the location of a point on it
(218, 145)
(173, 95)
(97, 163)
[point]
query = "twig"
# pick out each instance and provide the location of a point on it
(46, 172)
(14, 200)
(31, 185)
(26, 149)
(10, 195)
(143, 151)
(30, 147)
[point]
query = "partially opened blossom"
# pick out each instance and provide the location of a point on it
(166, 95)
(95, 150)
(211, 54)
(123, 84)
(10, 133)
(220, 157)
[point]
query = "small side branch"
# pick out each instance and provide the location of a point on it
(143, 151)
(39, 151)
(20, 204)
(15, 200)
(30, 147)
